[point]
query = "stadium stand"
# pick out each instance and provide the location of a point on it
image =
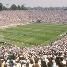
(54, 55)
(19, 17)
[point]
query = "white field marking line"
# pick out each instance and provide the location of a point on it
(37, 29)
(30, 39)
(1, 37)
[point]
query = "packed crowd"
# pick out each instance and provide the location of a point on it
(19, 17)
(53, 55)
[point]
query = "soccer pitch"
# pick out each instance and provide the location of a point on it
(32, 34)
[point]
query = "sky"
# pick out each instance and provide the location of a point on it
(36, 3)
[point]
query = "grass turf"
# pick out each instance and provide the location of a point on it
(32, 34)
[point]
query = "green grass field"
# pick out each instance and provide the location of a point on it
(32, 34)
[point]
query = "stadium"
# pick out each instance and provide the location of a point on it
(30, 26)
(33, 38)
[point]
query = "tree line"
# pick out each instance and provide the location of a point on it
(22, 7)
(13, 7)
